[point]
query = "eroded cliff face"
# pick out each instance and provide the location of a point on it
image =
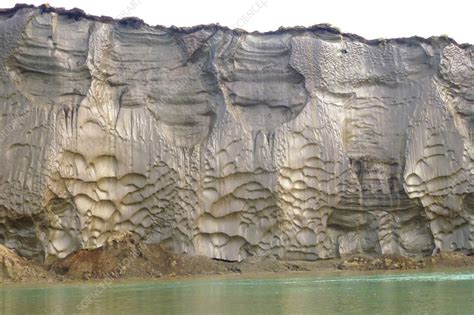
(300, 143)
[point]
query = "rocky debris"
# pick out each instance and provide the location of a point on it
(449, 259)
(18, 269)
(150, 260)
(126, 258)
(392, 262)
(388, 262)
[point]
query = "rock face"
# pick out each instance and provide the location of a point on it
(303, 143)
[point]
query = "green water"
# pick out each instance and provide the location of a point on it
(409, 293)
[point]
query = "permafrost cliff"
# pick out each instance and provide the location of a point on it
(304, 143)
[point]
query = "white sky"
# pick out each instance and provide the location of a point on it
(370, 19)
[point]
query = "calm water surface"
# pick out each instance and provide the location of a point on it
(408, 293)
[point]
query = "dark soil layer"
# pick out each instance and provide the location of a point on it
(126, 258)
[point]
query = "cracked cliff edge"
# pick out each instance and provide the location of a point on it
(302, 143)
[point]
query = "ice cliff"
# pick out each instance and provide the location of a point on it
(304, 143)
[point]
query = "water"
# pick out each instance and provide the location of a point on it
(408, 293)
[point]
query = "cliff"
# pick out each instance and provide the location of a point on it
(303, 143)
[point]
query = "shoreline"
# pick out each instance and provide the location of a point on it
(324, 273)
(131, 261)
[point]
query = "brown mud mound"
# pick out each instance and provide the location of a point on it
(14, 268)
(125, 257)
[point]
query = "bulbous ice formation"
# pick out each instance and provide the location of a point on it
(303, 143)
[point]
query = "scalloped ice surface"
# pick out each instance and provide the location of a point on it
(300, 143)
